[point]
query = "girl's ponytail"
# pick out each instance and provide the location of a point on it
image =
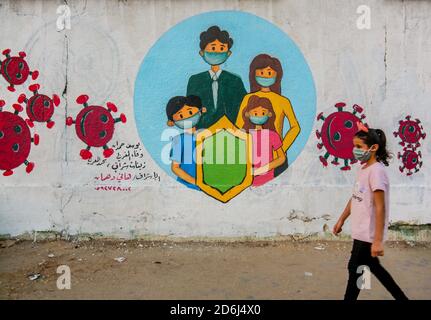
(382, 153)
(376, 136)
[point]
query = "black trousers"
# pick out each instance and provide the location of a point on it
(361, 256)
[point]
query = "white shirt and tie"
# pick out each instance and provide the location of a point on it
(215, 76)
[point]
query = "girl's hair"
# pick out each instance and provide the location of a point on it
(254, 102)
(376, 136)
(262, 61)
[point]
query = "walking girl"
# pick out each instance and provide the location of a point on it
(369, 211)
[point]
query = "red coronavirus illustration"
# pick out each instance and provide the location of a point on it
(411, 160)
(410, 132)
(16, 70)
(94, 125)
(15, 140)
(39, 107)
(337, 133)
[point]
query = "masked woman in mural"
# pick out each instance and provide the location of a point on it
(221, 91)
(265, 82)
(258, 117)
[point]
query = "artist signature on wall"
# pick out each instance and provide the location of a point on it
(122, 172)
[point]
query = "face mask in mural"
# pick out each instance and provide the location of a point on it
(215, 58)
(336, 135)
(265, 82)
(361, 154)
(259, 120)
(189, 122)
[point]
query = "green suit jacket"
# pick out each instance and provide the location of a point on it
(231, 91)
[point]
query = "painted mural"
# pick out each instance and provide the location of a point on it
(16, 137)
(410, 132)
(336, 135)
(39, 107)
(238, 103)
(15, 69)
(15, 140)
(219, 105)
(95, 125)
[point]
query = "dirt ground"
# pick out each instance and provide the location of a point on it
(164, 270)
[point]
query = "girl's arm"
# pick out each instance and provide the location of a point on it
(346, 213)
(379, 202)
(278, 161)
(175, 167)
(294, 130)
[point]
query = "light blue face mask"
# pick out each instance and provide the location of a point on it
(215, 58)
(265, 82)
(259, 120)
(189, 122)
(361, 155)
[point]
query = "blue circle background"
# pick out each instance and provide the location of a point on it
(166, 68)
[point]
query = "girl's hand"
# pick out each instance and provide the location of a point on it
(377, 249)
(261, 170)
(338, 227)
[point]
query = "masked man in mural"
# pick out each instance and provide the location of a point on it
(221, 91)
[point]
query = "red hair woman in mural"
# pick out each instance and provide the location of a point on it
(258, 119)
(265, 77)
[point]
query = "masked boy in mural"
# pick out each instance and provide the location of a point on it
(221, 91)
(265, 77)
(185, 113)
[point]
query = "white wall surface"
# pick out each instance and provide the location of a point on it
(387, 69)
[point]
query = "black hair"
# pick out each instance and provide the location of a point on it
(214, 33)
(176, 103)
(376, 136)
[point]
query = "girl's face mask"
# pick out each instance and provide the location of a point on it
(361, 154)
(259, 120)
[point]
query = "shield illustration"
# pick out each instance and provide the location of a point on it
(223, 160)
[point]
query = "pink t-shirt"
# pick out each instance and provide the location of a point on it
(363, 219)
(264, 142)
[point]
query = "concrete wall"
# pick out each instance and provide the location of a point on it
(386, 69)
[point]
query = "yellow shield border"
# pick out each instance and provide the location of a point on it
(223, 124)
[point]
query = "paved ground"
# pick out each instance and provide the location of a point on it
(282, 270)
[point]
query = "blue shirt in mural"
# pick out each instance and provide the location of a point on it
(183, 152)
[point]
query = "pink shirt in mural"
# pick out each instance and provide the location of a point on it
(363, 218)
(264, 142)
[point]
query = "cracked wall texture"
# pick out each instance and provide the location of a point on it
(386, 69)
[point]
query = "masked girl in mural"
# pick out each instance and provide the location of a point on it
(265, 81)
(220, 91)
(369, 208)
(258, 117)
